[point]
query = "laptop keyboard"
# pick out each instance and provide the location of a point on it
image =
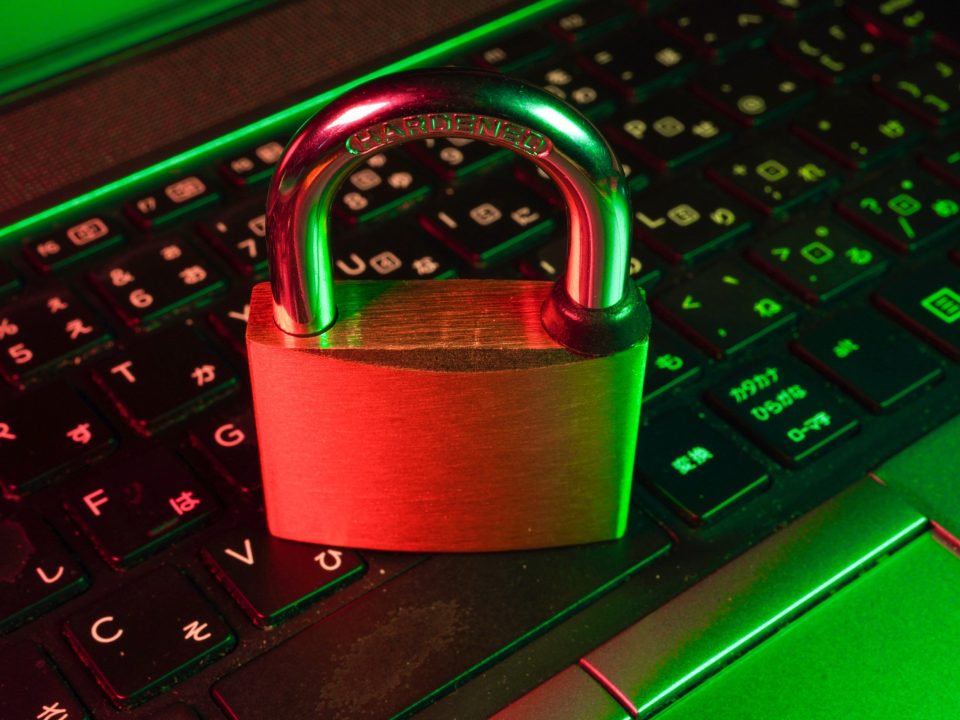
(796, 178)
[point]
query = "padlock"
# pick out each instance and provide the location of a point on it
(447, 415)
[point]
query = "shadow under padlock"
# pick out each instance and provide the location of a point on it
(462, 415)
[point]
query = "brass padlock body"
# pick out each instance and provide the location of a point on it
(439, 415)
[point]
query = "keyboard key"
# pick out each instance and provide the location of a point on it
(9, 280)
(926, 87)
(944, 160)
(586, 21)
(876, 362)
(517, 50)
(272, 579)
(817, 259)
(45, 432)
(137, 503)
(724, 309)
(833, 52)
(906, 22)
(700, 473)
(496, 602)
(457, 158)
(857, 131)
(385, 184)
(775, 178)
(751, 97)
(787, 410)
(400, 250)
(906, 210)
(687, 221)
(230, 444)
(798, 9)
(44, 331)
(30, 686)
(157, 279)
(240, 236)
(671, 130)
(38, 572)
(163, 377)
(149, 634)
(177, 711)
(172, 202)
(718, 29)
(492, 223)
(638, 60)
(77, 242)
(550, 261)
(229, 318)
(253, 165)
(563, 77)
(671, 363)
(927, 302)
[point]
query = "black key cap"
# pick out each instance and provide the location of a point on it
(686, 221)
(149, 634)
(928, 303)
(272, 579)
(550, 261)
(563, 77)
(157, 279)
(163, 377)
(671, 130)
(229, 318)
(724, 308)
(818, 259)
(907, 210)
(857, 131)
(875, 361)
(490, 223)
(30, 687)
(905, 22)
(230, 444)
(46, 330)
(798, 9)
(38, 572)
(786, 409)
(240, 237)
(456, 158)
(517, 50)
(400, 249)
(943, 159)
(138, 503)
(718, 29)
(47, 431)
(587, 21)
(496, 603)
(774, 178)
(926, 87)
(638, 60)
(700, 473)
(77, 242)
(384, 185)
(253, 165)
(670, 364)
(751, 97)
(833, 52)
(9, 280)
(177, 711)
(172, 202)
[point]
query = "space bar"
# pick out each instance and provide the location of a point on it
(402, 645)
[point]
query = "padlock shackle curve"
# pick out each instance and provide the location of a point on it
(453, 102)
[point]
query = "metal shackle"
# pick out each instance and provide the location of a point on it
(594, 308)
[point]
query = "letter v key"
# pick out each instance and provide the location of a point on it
(247, 557)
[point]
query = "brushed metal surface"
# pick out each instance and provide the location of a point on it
(440, 416)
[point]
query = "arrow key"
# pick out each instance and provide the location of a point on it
(272, 579)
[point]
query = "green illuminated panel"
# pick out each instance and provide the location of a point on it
(284, 118)
(678, 646)
(885, 647)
